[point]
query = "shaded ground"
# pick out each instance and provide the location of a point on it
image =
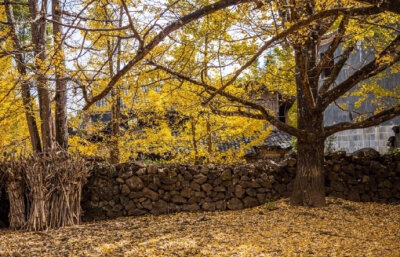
(342, 228)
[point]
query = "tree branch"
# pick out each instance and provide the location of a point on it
(208, 9)
(369, 122)
(369, 70)
(267, 116)
(298, 25)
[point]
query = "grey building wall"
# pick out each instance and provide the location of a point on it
(374, 137)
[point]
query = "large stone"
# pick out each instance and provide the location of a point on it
(239, 191)
(204, 170)
(235, 204)
(199, 194)
(178, 199)
(226, 174)
(208, 206)
(251, 192)
(135, 195)
(245, 184)
(126, 174)
(160, 207)
(206, 187)
(141, 171)
(150, 194)
(220, 205)
(200, 179)
(337, 186)
(136, 212)
(125, 190)
(124, 200)
(219, 189)
(151, 169)
(195, 186)
(190, 207)
(120, 180)
(261, 198)
(219, 196)
(135, 183)
(168, 180)
(250, 202)
(354, 196)
(147, 204)
(186, 192)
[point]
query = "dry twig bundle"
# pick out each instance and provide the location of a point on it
(54, 183)
(12, 174)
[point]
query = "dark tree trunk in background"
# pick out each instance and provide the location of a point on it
(61, 126)
(38, 31)
(30, 117)
(116, 105)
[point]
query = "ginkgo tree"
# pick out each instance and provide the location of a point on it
(300, 27)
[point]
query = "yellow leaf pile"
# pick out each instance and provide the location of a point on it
(342, 228)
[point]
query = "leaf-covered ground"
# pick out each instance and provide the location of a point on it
(342, 228)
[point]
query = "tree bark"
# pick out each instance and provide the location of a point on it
(309, 186)
(38, 31)
(61, 126)
(116, 106)
(25, 85)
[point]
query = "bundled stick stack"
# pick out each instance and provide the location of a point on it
(13, 177)
(53, 185)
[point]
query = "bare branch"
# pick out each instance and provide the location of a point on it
(369, 122)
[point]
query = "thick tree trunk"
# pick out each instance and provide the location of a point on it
(61, 85)
(38, 31)
(309, 186)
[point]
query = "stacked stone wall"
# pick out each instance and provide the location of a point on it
(132, 189)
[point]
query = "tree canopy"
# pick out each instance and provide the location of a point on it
(181, 79)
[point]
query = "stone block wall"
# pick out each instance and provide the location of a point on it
(355, 139)
(132, 189)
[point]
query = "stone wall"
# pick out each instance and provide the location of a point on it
(135, 189)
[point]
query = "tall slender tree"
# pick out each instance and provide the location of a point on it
(26, 84)
(61, 127)
(38, 34)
